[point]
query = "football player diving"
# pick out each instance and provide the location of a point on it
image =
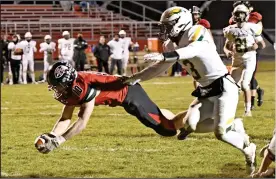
(88, 89)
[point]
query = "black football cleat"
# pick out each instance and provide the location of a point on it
(260, 93)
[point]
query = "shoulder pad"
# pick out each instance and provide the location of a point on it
(204, 23)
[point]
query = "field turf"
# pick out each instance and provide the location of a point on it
(115, 144)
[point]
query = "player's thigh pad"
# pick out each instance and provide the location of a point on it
(250, 65)
(199, 112)
(31, 65)
(225, 106)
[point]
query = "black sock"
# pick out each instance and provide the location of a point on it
(252, 100)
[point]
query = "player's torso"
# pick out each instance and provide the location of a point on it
(126, 42)
(242, 37)
(49, 48)
(88, 84)
(207, 66)
(116, 48)
(28, 48)
(67, 46)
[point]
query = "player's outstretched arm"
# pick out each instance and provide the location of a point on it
(64, 121)
(84, 116)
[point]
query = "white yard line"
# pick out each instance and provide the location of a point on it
(102, 149)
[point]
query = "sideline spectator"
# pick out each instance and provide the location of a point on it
(116, 46)
(102, 53)
(4, 54)
(79, 52)
(15, 58)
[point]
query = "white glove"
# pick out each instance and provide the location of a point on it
(154, 57)
(274, 46)
(51, 142)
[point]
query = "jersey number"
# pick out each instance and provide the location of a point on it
(68, 46)
(240, 45)
(195, 73)
(77, 90)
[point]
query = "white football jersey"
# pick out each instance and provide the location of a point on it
(28, 49)
(197, 50)
(12, 47)
(243, 37)
(66, 46)
(48, 50)
(116, 48)
(126, 43)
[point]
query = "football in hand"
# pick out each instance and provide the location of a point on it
(18, 51)
(40, 143)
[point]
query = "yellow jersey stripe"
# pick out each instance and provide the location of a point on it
(197, 32)
(259, 32)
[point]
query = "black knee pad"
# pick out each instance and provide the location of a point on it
(253, 84)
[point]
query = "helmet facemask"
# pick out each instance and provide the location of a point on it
(240, 17)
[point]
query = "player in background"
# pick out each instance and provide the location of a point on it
(242, 40)
(66, 48)
(48, 48)
(127, 43)
(14, 60)
(217, 94)
(256, 18)
(89, 89)
(29, 48)
(199, 21)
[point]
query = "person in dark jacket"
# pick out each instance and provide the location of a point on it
(79, 52)
(102, 53)
(4, 55)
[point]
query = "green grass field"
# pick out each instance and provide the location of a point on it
(115, 144)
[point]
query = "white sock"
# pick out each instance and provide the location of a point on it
(33, 77)
(248, 106)
(25, 77)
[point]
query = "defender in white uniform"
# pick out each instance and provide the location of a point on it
(217, 94)
(29, 48)
(127, 42)
(48, 48)
(243, 37)
(66, 48)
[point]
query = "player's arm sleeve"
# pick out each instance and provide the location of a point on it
(41, 49)
(184, 53)
(59, 44)
(84, 114)
(11, 46)
(54, 46)
(152, 71)
(64, 121)
(34, 47)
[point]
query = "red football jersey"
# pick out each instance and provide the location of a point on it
(112, 90)
(254, 17)
(204, 23)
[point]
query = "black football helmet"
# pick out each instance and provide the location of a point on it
(60, 78)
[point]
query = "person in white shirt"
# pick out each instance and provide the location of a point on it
(66, 48)
(116, 47)
(47, 48)
(29, 47)
(15, 59)
(126, 44)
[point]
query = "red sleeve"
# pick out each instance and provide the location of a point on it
(231, 22)
(103, 81)
(204, 23)
(255, 17)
